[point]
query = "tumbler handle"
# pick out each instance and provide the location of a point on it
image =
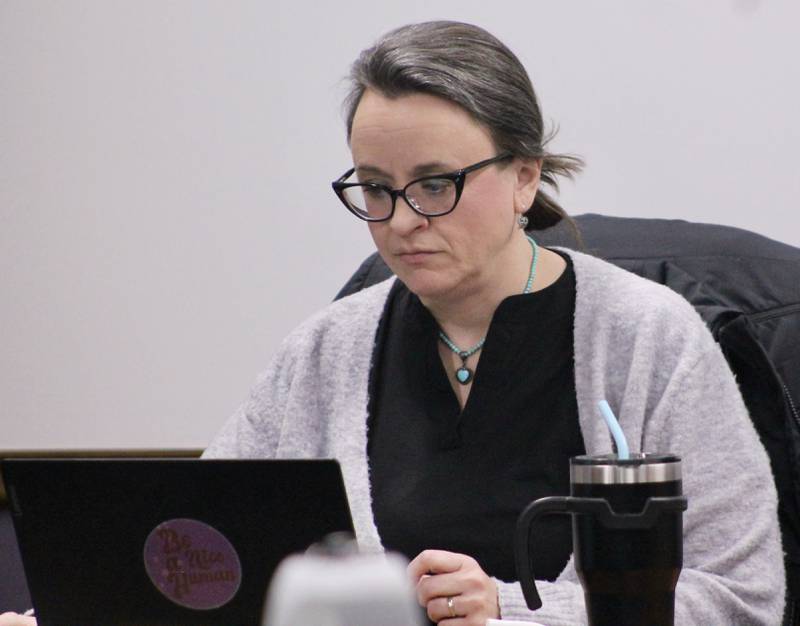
(599, 507)
(537, 508)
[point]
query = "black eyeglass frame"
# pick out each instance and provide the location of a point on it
(458, 177)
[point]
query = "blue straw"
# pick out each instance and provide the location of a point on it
(616, 430)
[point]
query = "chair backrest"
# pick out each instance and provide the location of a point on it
(747, 289)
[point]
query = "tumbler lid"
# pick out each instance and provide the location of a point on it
(607, 469)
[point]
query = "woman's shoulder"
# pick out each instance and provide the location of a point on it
(333, 341)
(353, 317)
(612, 299)
(621, 290)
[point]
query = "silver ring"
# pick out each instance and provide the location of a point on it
(451, 607)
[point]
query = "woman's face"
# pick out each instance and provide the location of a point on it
(396, 140)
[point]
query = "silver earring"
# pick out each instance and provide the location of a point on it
(522, 221)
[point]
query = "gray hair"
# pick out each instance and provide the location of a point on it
(468, 66)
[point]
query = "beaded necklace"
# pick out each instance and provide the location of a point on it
(464, 374)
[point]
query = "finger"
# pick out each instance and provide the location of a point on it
(456, 621)
(438, 586)
(445, 610)
(434, 562)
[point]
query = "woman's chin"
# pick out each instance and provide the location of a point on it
(426, 285)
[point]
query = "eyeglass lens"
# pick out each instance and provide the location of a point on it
(430, 196)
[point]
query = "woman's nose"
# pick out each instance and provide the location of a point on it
(405, 219)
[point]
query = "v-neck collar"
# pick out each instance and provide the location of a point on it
(500, 353)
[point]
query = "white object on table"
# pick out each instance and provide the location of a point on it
(345, 590)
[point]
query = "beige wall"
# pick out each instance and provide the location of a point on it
(165, 211)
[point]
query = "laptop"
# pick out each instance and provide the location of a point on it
(165, 542)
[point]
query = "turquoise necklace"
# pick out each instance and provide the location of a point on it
(464, 374)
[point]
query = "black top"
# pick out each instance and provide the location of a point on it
(457, 480)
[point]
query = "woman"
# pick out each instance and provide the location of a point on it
(455, 394)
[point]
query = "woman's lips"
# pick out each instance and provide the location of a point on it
(416, 257)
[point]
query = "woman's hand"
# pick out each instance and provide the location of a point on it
(14, 619)
(453, 588)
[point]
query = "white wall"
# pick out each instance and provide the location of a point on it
(165, 211)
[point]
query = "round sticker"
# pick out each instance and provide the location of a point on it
(192, 564)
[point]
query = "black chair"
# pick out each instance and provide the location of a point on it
(747, 289)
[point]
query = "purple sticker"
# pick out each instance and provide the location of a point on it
(192, 564)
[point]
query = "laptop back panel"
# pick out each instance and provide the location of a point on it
(165, 542)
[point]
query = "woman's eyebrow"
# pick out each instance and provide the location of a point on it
(433, 167)
(372, 169)
(423, 169)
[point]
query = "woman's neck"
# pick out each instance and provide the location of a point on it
(465, 315)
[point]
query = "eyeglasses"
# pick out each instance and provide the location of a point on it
(430, 196)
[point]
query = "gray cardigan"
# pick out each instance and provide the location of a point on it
(637, 344)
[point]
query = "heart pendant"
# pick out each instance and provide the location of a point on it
(463, 375)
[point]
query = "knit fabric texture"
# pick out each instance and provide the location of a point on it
(637, 344)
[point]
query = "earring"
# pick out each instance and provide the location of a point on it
(522, 221)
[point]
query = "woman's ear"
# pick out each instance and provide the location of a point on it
(529, 172)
